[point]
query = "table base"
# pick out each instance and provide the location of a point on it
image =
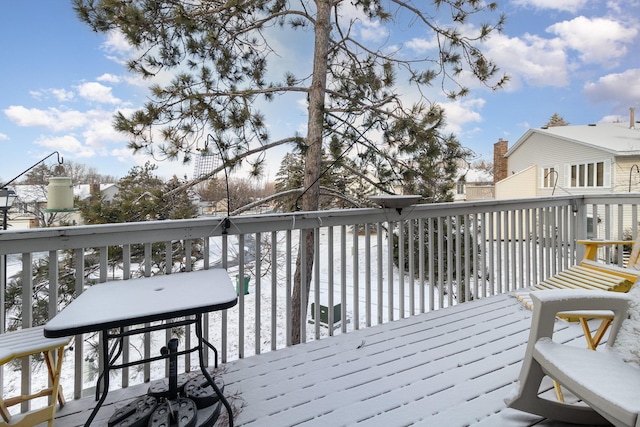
(197, 405)
(110, 356)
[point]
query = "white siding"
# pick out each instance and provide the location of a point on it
(519, 185)
(547, 151)
(626, 171)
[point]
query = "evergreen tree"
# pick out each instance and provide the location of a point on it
(221, 50)
(290, 176)
(556, 120)
(142, 196)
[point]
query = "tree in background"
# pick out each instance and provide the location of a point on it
(220, 52)
(339, 180)
(556, 120)
(241, 192)
(142, 196)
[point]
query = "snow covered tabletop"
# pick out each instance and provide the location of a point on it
(131, 302)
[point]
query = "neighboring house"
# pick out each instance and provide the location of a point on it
(108, 191)
(29, 207)
(586, 159)
(473, 184)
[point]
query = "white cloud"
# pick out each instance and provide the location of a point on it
(37, 94)
(52, 118)
(613, 118)
(459, 113)
(99, 131)
(370, 30)
(109, 78)
(166, 169)
(531, 59)
(116, 44)
(97, 92)
(3, 137)
(62, 95)
(422, 45)
(66, 144)
(598, 40)
(95, 126)
(373, 31)
(564, 5)
(620, 88)
(622, 7)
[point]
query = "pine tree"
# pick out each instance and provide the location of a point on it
(556, 120)
(221, 51)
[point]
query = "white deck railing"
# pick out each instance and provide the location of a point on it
(451, 252)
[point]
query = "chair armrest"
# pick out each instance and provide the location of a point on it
(547, 304)
(592, 246)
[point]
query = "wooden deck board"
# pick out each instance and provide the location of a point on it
(451, 367)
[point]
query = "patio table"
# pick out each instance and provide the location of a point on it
(121, 304)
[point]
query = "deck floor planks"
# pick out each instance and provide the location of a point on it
(379, 366)
(398, 336)
(449, 367)
(417, 357)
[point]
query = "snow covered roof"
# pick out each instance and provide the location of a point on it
(472, 175)
(38, 193)
(616, 138)
(83, 191)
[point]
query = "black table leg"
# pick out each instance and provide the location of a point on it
(104, 375)
(201, 343)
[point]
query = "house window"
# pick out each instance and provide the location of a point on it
(549, 176)
(460, 187)
(588, 175)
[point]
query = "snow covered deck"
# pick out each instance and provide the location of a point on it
(451, 367)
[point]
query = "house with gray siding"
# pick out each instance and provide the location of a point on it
(595, 158)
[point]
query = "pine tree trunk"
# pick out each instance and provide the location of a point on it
(313, 157)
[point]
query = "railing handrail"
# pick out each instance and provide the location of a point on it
(73, 237)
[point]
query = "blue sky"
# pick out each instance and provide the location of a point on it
(61, 83)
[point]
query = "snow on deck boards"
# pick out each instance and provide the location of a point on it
(450, 367)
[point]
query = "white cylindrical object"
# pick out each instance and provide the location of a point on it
(60, 194)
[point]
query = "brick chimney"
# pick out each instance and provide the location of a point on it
(500, 170)
(94, 188)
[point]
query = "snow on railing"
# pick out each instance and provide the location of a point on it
(370, 266)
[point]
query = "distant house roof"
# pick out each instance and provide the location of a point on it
(473, 175)
(83, 191)
(616, 138)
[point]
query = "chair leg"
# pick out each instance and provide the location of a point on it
(54, 366)
(54, 374)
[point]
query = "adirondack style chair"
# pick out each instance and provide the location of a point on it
(23, 343)
(591, 274)
(601, 379)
